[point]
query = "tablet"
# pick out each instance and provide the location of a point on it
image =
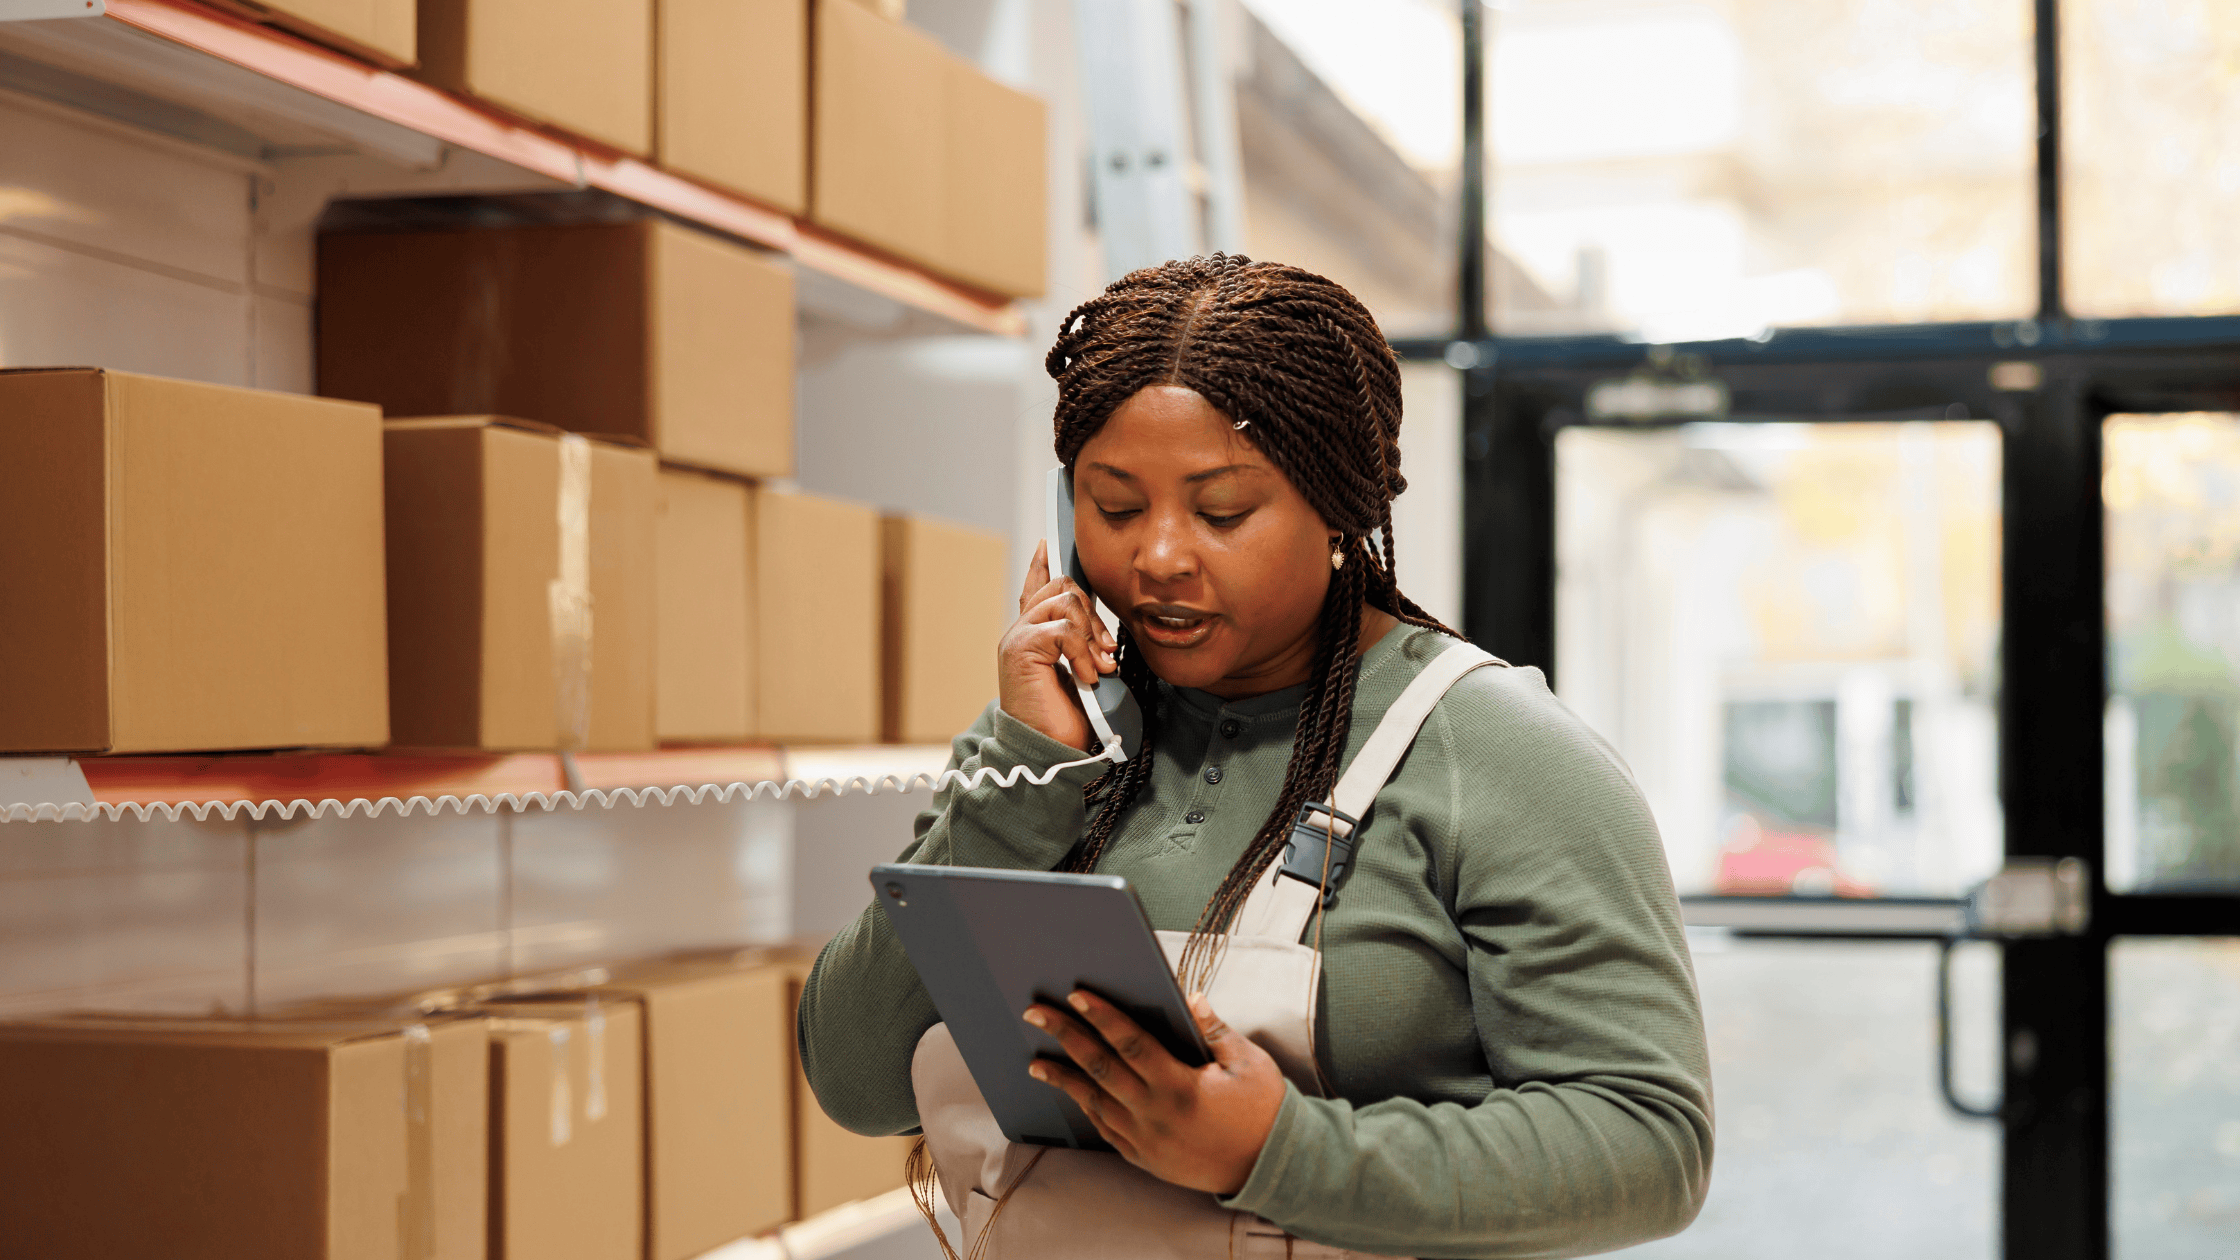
(991, 943)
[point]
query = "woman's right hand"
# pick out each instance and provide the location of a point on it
(1057, 625)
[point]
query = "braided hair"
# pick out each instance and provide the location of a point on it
(1299, 366)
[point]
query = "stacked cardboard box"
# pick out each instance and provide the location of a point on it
(207, 1140)
(733, 96)
(567, 1082)
(916, 152)
(704, 578)
(582, 65)
(521, 587)
(945, 607)
(718, 1052)
(187, 567)
(816, 572)
(673, 337)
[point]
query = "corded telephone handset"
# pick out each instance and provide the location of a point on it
(1057, 533)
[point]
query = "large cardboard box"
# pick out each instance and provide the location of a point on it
(567, 1097)
(187, 566)
(733, 96)
(585, 66)
(833, 1166)
(521, 587)
(878, 130)
(197, 1140)
(917, 152)
(718, 1102)
(816, 642)
(994, 213)
(945, 602)
(704, 674)
(381, 31)
(644, 329)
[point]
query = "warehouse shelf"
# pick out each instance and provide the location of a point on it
(162, 50)
(319, 784)
(831, 1233)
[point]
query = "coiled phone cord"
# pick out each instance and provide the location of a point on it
(581, 798)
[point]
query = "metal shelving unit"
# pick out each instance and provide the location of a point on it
(178, 67)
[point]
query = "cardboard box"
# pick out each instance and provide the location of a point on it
(718, 1104)
(643, 329)
(816, 642)
(380, 31)
(892, 10)
(945, 601)
(878, 130)
(918, 153)
(200, 1140)
(704, 595)
(733, 96)
(567, 1085)
(521, 587)
(833, 1166)
(187, 567)
(585, 66)
(994, 213)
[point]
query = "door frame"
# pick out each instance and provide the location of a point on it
(2055, 385)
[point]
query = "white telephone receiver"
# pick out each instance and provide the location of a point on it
(1066, 562)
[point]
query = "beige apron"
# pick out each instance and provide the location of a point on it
(1058, 1203)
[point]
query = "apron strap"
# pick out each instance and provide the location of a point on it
(1286, 897)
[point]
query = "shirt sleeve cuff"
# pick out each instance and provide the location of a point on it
(1018, 744)
(1262, 1190)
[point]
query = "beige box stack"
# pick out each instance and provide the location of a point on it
(918, 153)
(945, 604)
(485, 648)
(677, 338)
(718, 1097)
(816, 640)
(733, 103)
(272, 1140)
(567, 1099)
(704, 581)
(582, 65)
(187, 567)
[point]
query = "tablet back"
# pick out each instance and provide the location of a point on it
(990, 943)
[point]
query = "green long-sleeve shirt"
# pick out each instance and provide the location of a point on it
(1508, 1018)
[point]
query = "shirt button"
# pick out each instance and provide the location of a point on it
(1213, 774)
(1194, 816)
(1230, 728)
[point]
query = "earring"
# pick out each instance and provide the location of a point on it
(1337, 554)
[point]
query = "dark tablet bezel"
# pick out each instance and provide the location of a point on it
(988, 943)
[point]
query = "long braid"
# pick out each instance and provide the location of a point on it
(1300, 366)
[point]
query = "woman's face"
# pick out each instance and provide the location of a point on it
(1214, 560)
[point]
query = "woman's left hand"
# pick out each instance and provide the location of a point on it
(1197, 1127)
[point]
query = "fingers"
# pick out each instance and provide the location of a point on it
(1038, 575)
(1103, 1111)
(1148, 1060)
(1082, 641)
(1111, 1073)
(1228, 1048)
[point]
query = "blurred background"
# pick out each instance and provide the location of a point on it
(1838, 399)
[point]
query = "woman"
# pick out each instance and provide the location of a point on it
(1501, 1053)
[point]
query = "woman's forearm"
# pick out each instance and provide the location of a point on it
(1545, 1170)
(862, 1007)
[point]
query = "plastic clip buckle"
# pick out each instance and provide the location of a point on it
(1319, 827)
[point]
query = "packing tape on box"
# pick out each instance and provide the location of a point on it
(570, 597)
(416, 1210)
(563, 1103)
(595, 1045)
(601, 798)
